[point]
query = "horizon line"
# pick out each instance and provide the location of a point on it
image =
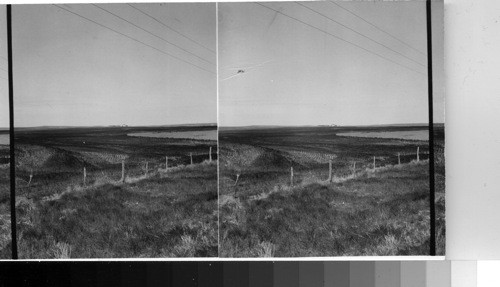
(116, 125)
(328, 125)
(221, 126)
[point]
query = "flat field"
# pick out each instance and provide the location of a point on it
(195, 135)
(153, 211)
(359, 211)
(404, 135)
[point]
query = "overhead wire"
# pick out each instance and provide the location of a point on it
(340, 38)
(133, 39)
(361, 34)
(170, 28)
(378, 28)
(152, 34)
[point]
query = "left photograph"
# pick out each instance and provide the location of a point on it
(5, 223)
(115, 130)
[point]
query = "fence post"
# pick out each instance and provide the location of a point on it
(399, 159)
(291, 176)
(146, 171)
(84, 176)
(354, 169)
(210, 154)
(330, 171)
(237, 178)
(191, 156)
(374, 166)
(31, 177)
(418, 154)
(166, 162)
(123, 171)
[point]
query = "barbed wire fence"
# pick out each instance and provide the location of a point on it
(127, 170)
(378, 162)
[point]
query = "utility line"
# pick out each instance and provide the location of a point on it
(161, 38)
(361, 34)
(337, 37)
(170, 28)
(378, 28)
(133, 39)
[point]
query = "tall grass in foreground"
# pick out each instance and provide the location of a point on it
(170, 214)
(381, 213)
(5, 223)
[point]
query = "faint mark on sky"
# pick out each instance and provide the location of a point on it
(243, 70)
(271, 23)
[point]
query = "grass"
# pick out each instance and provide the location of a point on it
(375, 212)
(364, 216)
(162, 216)
(166, 213)
(5, 224)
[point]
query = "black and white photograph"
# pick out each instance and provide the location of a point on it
(5, 223)
(115, 130)
(324, 129)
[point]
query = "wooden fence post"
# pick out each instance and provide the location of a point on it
(291, 176)
(418, 154)
(330, 171)
(123, 171)
(237, 178)
(374, 166)
(31, 177)
(84, 176)
(210, 154)
(166, 162)
(146, 170)
(191, 156)
(399, 159)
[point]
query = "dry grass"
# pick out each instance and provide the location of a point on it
(5, 223)
(163, 215)
(382, 211)
(61, 250)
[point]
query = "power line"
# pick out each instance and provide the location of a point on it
(361, 34)
(337, 37)
(170, 28)
(378, 28)
(161, 38)
(133, 39)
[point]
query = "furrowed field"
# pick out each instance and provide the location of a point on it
(360, 211)
(5, 238)
(153, 212)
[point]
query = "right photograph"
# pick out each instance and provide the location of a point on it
(331, 129)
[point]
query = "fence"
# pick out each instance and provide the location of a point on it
(147, 167)
(373, 166)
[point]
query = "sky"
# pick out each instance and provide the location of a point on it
(69, 71)
(4, 85)
(274, 70)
